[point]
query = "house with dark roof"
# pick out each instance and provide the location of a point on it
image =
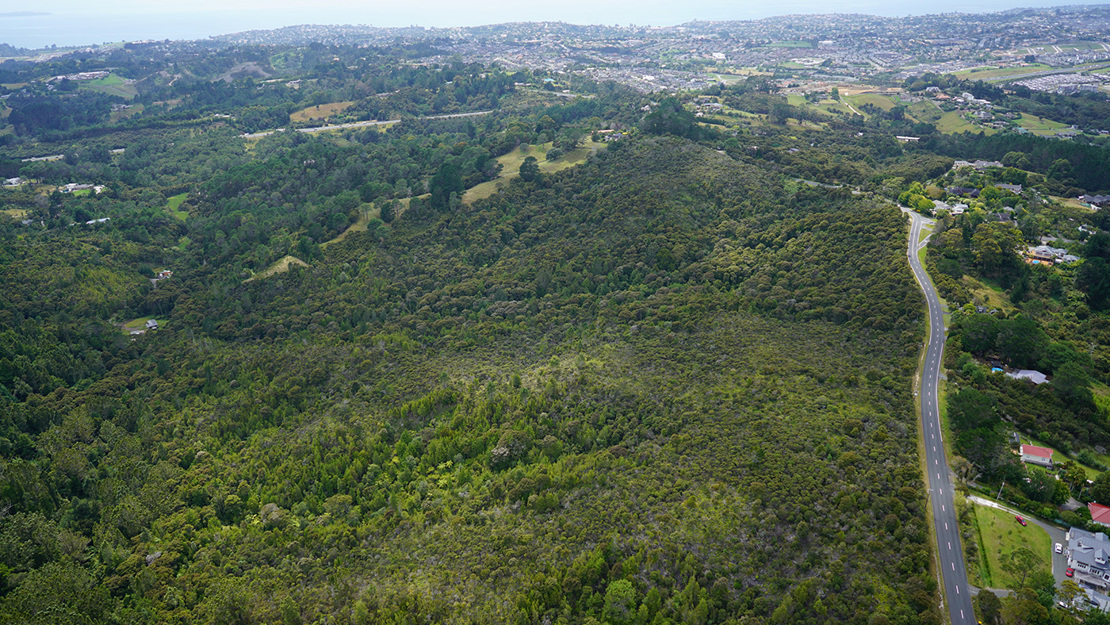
(963, 191)
(1095, 200)
(1040, 456)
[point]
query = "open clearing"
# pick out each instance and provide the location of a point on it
(112, 85)
(925, 111)
(999, 536)
(135, 324)
(511, 162)
(991, 295)
(953, 122)
(1039, 125)
(320, 111)
(173, 206)
(281, 266)
(987, 73)
(884, 102)
(135, 109)
(15, 213)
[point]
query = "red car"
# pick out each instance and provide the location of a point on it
(1069, 572)
(1020, 520)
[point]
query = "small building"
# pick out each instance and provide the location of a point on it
(1040, 456)
(1012, 188)
(1034, 376)
(13, 182)
(1099, 513)
(151, 324)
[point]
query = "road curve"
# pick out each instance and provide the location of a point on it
(957, 591)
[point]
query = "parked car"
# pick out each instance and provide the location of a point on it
(1069, 572)
(1059, 548)
(1020, 520)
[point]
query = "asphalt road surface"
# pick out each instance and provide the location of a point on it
(957, 591)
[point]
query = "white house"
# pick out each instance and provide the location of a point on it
(1041, 456)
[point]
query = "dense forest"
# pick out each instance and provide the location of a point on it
(660, 378)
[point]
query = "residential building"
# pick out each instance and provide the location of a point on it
(1040, 456)
(1089, 554)
(1034, 376)
(1099, 513)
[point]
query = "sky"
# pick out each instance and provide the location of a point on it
(84, 22)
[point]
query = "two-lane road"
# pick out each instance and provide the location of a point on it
(957, 592)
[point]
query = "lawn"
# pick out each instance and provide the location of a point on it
(320, 111)
(15, 213)
(511, 162)
(173, 206)
(999, 535)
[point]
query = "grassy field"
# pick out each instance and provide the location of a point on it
(952, 122)
(741, 74)
(15, 213)
(320, 111)
(796, 99)
(999, 535)
(988, 73)
(790, 44)
(1102, 396)
(135, 109)
(5, 111)
(135, 324)
(832, 106)
(173, 206)
(991, 295)
(884, 102)
(1039, 125)
(511, 162)
(281, 266)
(112, 85)
(366, 213)
(925, 111)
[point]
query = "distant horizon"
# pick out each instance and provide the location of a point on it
(73, 23)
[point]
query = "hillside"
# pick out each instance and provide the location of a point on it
(658, 387)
